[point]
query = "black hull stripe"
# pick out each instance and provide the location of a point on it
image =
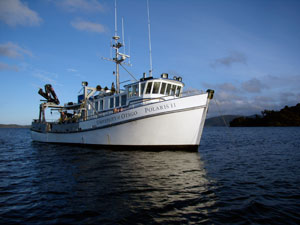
(126, 121)
(152, 148)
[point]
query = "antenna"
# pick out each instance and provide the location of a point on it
(123, 37)
(116, 28)
(149, 32)
(129, 51)
(110, 48)
(119, 57)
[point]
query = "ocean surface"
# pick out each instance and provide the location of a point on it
(239, 176)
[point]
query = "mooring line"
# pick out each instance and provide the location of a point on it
(226, 125)
(228, 131)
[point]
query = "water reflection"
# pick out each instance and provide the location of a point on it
(168, 185)
(125, 186)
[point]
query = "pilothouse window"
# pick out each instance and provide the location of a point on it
(168, 89)
(156, 87)
(173, 89)
(142, 88)
(163, 88)
(178, 91)
(148, 89)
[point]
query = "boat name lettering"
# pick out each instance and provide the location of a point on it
(118, 117)
(159, 108)
(127, 115)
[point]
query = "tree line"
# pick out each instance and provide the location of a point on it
(288, 116)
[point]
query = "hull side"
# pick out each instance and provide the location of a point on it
(178, 127)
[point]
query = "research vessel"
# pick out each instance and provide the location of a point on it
(148, 113)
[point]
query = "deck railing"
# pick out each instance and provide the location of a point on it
(131, 105)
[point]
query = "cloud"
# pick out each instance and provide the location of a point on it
(228, 87)
(46, 77)
(80, 5)
(234, 57)
(4, 67)
(238, 104)
(290, 81)
(264, 99)
(253, 86)
(250, 97)
(72, 70)
(12, 50)
(88, 26)
(75, 73)
(14, 12)
(224, 87)
(289, 98)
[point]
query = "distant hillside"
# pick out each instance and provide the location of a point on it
(288, 116)
(218, 121)
(14, 126)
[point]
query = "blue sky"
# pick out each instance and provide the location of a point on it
(248, 51)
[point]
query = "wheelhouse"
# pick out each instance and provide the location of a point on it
(145, 91)
(154, 88)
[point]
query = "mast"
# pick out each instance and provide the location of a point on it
(119, 57)
(116, 46)
(123, 36)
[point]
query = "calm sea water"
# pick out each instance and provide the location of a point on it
(239, 176)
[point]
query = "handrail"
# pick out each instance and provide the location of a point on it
(130, 105)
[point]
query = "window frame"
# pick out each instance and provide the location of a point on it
(154, 83)
(161, 88)
(142, 89)
(96, 105)
(101, 105)
(169, 86)
(178, 91)
(117, 101)
(151, 86)
(135, 90)
(111, 102)
(173, 89)
(124, 96)
(129, 91)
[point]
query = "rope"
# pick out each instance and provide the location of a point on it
(218, 107)
(228, 131)
(128, 72)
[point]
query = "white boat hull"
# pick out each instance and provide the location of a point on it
(170, 124)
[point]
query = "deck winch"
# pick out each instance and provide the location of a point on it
(49, 94)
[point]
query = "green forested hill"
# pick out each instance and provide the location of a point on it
(288, 116)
